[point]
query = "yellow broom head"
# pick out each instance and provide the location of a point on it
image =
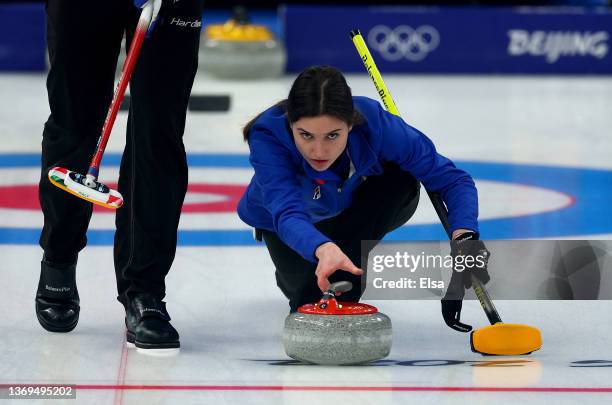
(506, 339)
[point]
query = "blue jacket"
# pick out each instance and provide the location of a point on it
(280, 195)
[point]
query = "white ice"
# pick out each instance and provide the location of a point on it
(224, 300)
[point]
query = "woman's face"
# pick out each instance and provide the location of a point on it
(321, 140)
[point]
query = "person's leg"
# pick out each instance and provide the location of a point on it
(153, 173)
(380, 205)
(153, 177)
(295, 276)
(83, 54)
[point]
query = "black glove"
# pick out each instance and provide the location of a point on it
(475, 258)
(156, 7)
(466, 244)
(451, 312)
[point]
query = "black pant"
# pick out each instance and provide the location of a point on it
(380, 205)
(83, 52)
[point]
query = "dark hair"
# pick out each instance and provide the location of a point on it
(318, 90)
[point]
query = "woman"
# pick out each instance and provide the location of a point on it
(332, 170)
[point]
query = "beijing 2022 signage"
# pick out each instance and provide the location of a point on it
(453, 40)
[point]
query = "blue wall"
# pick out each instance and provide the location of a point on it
(568, 40)
(22, 37)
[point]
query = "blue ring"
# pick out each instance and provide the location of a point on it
(589, 215)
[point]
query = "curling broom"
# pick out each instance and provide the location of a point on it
(87, 186)
(499, 338)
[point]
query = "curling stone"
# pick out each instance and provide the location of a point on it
(337, 333)
(240, 50)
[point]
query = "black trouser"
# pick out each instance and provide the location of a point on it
(381, 204)
(83, 52)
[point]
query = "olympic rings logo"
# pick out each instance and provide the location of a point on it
(404, 42)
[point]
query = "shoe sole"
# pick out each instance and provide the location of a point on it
(59, 329)
(144, 346)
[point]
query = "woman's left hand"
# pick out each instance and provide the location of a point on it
(332, 258)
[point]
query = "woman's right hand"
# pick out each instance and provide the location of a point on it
(331, 258)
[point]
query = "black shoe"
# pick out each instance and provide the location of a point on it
(148, 324)
(57, 298)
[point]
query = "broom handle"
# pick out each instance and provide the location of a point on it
(479, 289)
(485, 300)
(366, 57)
(146, 16)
